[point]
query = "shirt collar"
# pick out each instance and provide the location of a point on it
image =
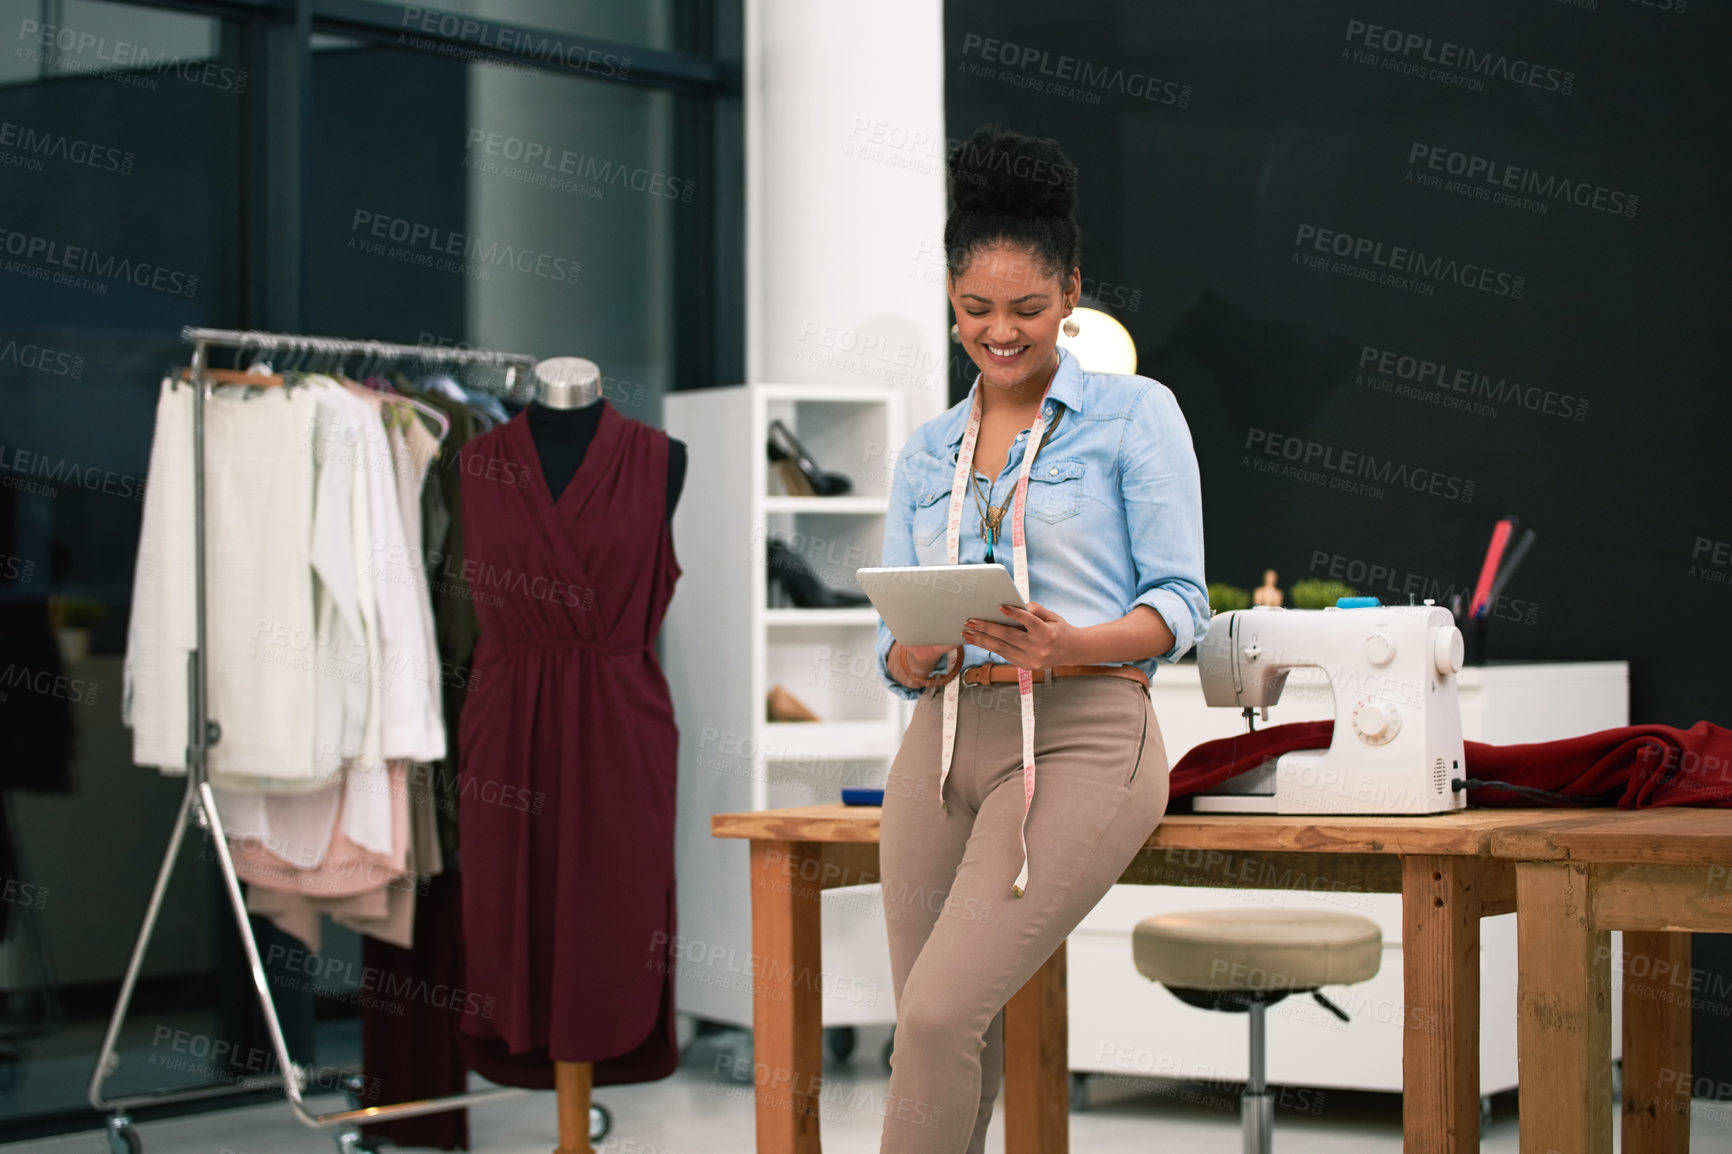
(1067, 389)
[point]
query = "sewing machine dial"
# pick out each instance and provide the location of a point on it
(1448, 650)
(1376, 722)
(1379, 648)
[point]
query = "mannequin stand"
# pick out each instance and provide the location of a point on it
(571, 1082)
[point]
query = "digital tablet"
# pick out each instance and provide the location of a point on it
(928, 604)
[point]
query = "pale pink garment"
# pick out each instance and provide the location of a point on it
(387, 914)
(347, 869)
(369, 893)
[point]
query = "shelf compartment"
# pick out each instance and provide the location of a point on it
(821, 782)
(831, 669)
(864, 506)
(851, 435)
(831, 740)
(829, 618)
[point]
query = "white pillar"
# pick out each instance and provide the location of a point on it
(845, 200)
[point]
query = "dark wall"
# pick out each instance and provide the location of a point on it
(1219, 142)
(1578, 343)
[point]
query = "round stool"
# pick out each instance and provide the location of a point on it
(1246, 960)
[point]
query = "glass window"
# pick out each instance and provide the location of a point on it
(538, 215)
(120, 129)
(98, 38)
(648, 24)
(448, 202)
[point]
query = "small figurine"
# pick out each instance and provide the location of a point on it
(1267, 593)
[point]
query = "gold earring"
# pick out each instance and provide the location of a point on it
(1071, 328)
(956, 334)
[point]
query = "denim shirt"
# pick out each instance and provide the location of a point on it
(1115, 510)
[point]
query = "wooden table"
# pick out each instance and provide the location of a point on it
(1441, 865)
(1657, 875)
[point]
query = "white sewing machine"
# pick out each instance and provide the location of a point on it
(1391, 669)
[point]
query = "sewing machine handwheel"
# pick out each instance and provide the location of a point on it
(1449, 650)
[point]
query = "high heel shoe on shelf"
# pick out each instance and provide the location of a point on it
(800, 474)
(784, 706)
(802, 586)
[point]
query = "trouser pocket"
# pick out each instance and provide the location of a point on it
(1142, 745)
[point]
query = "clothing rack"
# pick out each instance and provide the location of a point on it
(199, 804)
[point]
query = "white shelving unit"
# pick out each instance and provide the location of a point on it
(728, 641)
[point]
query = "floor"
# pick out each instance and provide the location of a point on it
(52, 1074)
(697, 1111)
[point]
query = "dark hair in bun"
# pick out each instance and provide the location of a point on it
(1007, 187)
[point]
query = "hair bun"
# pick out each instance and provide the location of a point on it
(1008, 174)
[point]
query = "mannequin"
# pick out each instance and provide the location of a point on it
(1268, 593)
(562, 423)
(563, 419)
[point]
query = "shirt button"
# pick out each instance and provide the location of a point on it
(1021, 435)
(1052, 472)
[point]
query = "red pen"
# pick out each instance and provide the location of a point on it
(1488, 571)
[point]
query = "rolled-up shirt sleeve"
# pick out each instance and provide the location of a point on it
(898, 550)
(1164, 509)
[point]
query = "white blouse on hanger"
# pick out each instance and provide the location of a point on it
(298, 828)
(161, 629)
(258, 599)
(321, 656)
(411, 724)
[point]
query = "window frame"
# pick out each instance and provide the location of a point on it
(273, 40)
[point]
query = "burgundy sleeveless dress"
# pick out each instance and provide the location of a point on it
(567, 761)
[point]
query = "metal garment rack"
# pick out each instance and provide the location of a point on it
(199, 804)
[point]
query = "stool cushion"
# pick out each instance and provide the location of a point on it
(1257, 949)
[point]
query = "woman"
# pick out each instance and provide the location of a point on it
(984, 876)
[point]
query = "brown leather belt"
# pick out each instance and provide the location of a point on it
(1006, 674)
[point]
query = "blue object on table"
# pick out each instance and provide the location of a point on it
(862, 796)
(1357, 603)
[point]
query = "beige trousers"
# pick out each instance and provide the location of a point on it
(961, 943)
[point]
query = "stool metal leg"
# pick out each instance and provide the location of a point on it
(1257, 1104)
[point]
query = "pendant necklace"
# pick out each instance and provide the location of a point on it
(991, 516)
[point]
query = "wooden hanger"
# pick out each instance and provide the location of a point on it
(234, 377)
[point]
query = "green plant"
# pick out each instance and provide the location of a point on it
(76, 612)
(1225, 598)
(1319, 594)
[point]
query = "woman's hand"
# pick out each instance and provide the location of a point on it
(910, 664)
(1039, 638)
(926, 655)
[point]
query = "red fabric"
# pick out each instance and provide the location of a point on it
(567, 760)
(1638, 766)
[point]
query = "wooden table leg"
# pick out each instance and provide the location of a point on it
(787, 1001)
(1656, 1043)
(1440, 909)
(1563, 1012)
(1037, 1063)
(571, 1083)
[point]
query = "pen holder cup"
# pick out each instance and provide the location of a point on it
(1472, 639)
